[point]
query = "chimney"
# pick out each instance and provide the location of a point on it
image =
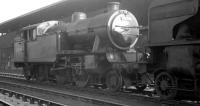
(113, 6)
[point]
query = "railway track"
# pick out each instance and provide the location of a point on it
(13, 98)
(100, 98)
(99, 101)
(14, 87)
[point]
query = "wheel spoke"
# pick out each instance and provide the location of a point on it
(166, 86)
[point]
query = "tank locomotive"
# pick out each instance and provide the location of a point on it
(85, 51)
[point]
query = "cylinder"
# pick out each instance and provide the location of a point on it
(113, 6)
(76, 16)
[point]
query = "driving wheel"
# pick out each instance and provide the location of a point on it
(81, 78)
(114, 81)
(166, 85)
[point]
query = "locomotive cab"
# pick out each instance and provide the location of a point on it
(25, 35)
(34, 38)
(31, 46)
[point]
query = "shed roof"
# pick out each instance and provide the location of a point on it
(58, 10)
(65, 8)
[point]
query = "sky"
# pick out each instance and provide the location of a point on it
(13, 8)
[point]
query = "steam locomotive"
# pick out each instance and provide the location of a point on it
(102, 49)
(174, 43)
(85, 51)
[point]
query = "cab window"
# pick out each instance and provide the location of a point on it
(29, 34)
(34, 34)
(25, 35)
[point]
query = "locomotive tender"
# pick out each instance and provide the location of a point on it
(94, 50)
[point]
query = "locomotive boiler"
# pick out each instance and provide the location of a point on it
(94, 50)
(110, 29)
